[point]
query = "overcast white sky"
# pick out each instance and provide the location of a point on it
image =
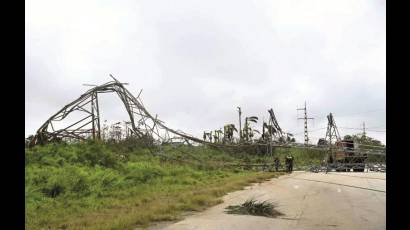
(196, 61)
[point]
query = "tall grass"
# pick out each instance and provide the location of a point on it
(94, 185)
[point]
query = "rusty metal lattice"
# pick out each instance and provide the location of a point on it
(142, 123)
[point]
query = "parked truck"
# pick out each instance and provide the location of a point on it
(346, 156)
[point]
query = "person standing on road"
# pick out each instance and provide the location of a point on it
(291, 164)
(277, 162)
(287, 163)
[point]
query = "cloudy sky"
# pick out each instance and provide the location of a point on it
(196, 61)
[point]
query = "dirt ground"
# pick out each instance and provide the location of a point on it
(308, 200)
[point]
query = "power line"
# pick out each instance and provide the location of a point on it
(317, 129)
(309, 131)
(365, 112)
(376, 127)
(371, 130)
(354, 114)
(362, 129)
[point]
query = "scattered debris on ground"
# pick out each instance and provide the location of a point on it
(252, 207)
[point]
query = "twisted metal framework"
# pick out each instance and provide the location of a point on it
(332, 133)
(143, 124)
(277, 131)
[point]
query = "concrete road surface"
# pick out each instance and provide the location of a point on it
(308, 200)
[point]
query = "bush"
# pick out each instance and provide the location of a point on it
(252, 207)
(57, 154)
(98, 154)
(53, 189)
(142, 172)
(56, 181)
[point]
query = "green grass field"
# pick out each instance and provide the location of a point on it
(120, 186)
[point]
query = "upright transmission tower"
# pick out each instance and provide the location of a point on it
(305, 118)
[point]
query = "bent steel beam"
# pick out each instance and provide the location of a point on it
(143, 124)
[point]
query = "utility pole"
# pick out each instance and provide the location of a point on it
(305, 118)
(240, 126)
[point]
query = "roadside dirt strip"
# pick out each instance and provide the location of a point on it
(308, 200)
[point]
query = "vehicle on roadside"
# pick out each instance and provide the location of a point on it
(346, 156)
(377, 168)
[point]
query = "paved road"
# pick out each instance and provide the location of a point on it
(308, 200)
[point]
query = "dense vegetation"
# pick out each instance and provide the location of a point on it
(118, 186)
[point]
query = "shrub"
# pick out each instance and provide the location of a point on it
(54, 189)
(252, 207)
(94, 153)
(142, 172)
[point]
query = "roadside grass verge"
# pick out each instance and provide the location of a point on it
(100, 186)
(163, 206)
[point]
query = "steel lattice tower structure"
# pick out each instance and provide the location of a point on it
(305, 118)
